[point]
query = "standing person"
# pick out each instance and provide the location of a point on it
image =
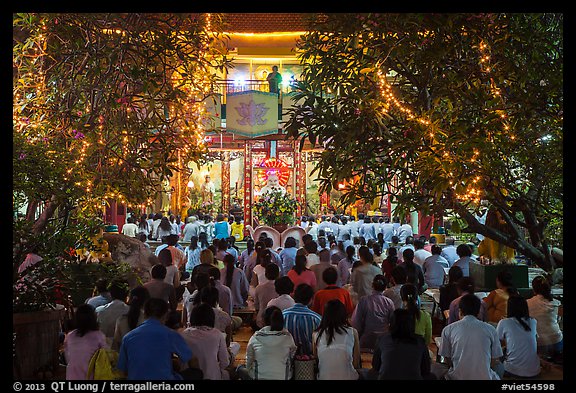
(422, 319)
(387, 229)
(164, 229)
(143, 225)
(433, 268)
(399, 278)
(300, 321)
(345, 266)
(301, 274)
(221, 228)
(192, 253)
(404, 231)
(274, 80)
(134, 317)
(284, 287)
(288, 255)
(270, 350)
(81, 343)
(497, 299)
(207, 343)
(449, 251)
(401, 354)
(155, 225)
(471, 348)
(108, 313)
(518, 332)
(544, 308)
(130, 229)
(373, 313)
(190, 229)
(147, 352)
(235, 279)
(363, 275)
(331, 291)
(336, 344)
(367, 229)
(237, 229)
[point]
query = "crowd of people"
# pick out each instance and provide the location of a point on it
(349, 287)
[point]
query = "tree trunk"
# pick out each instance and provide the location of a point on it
(47, 213)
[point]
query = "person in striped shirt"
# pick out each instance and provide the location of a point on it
(301, 321)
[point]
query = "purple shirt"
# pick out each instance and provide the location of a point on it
(454, 315)
(372, 317)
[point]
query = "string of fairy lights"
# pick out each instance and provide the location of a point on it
(472, 193)
(190, 121)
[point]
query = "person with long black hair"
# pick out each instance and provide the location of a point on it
(544, 308)
(422, 319)
(336, 344)
(518, 332)
(345, 266)
(243, 258)
(235, 279)
(134, 317)
(192, 253)
(497, 299)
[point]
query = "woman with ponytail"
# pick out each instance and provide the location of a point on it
(544, 308)
(134, 317)
(497, 300)
(422, 319)
(518, 332)
(235, 279)
(270, 350)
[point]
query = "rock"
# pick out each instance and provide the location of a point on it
(132, 251)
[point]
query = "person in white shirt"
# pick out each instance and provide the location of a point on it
(449, 251)
(344, 229)
(311, 257)
(367, 229)
(303, 222)
(375, 227)
(387, 229)
(420, 254)
(408, 244)
(471, 348)
(333, 227)
(312, 229)
(404, 231)
(190, 229)
(130, 228)
(518, 332)
(108, 313)
(433, 268)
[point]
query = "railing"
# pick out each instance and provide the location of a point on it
(228, 86)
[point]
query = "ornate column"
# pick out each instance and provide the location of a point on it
(300, 173)
(225, 182)
(248, 184)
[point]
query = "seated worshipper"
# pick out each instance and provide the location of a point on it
(471, 348)
(422, 319)
(147, 352)
(319, 268)
(389, 262)
(172, 272)
(544, 308)
(247, 253)
(270, 350)
(82, 342)
(400, 354)
(420, 254)
(284, 287)
(336, 344)
(269, 243)
(235, 279)
(449, 251)
(300, 321)
(301, 274)
(222, 246)
(134, 317)
(192, 253)
(288, 255)
(178, 256)
(372, 315)
(312, 257)
(331, 291)
(108, 313)
(465, 285)
(158, 288)
(449, 291)
(222, 321)
(518, 334)
(264, 293)
(497, 299)
(378, 258)
(206, 262)
(258, 273)
(408, 244)
(103, 296)
(225, 297)
(252, 261)
(363, 275)
(433, 268)
(337, 253)
(345, 266)
(237, 229)
(414, 272)
(201, 281)
(398, 280)
(207, 343)
(464, 258)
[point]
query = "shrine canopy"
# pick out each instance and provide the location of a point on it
(252, 113)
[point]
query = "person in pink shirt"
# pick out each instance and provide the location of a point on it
(82, 342)
(301, 274)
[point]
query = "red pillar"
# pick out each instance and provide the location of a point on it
(248, 184)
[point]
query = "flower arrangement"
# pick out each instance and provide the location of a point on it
(276, 207)
(207, 206)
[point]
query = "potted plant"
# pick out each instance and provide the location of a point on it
(276, 209)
